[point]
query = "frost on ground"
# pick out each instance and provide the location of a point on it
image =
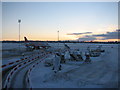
(101, 73)
(11, 52)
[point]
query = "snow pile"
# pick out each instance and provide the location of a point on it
(101, 73)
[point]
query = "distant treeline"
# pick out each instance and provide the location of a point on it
(109, 42)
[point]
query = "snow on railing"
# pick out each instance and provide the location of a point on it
(28, 80)
(16, 62)
(14, 70)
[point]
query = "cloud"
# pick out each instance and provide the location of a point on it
(90, 38)
(108, 35)
(79, 33)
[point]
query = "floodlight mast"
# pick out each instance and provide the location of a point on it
(19, 21)
(58, 36)
(58, 39)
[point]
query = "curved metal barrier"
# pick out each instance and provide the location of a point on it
(14, 70)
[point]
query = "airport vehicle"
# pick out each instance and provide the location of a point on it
(95, 52)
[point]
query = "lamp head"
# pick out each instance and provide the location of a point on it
(19, 21)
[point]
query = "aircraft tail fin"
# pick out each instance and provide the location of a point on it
(26, 39)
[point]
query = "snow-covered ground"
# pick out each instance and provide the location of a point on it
(12, 49)
(11, 52)
(101, 73)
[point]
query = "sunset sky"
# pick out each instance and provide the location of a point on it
(82, 21)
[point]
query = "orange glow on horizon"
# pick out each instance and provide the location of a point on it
(107, 40)
(62, 39)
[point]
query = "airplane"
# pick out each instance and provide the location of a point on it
(35, 45)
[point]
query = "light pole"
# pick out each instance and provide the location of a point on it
(58, 36)
(19, 21)
(58, 39)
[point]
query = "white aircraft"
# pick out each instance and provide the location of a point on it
(36, 45)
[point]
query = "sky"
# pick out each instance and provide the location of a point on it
(74, 20)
